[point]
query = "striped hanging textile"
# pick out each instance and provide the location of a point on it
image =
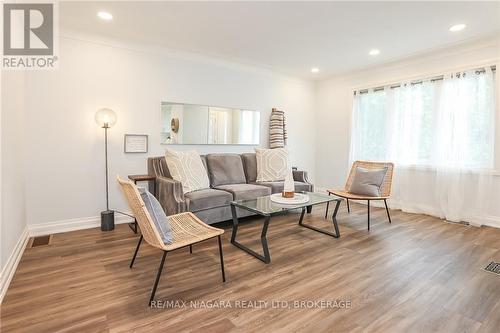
(277, 129)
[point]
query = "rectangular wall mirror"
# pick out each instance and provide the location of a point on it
(192, 124)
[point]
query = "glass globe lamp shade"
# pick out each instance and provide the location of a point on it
(105, 118)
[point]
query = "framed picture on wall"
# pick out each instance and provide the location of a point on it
(136, 143)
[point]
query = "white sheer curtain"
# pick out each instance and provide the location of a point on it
(441, 136)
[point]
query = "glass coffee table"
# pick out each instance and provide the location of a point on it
(265, 207)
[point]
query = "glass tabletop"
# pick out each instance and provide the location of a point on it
(264, 205)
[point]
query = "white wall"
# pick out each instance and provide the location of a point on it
(13, 204)
(65, 178)
(335, 95)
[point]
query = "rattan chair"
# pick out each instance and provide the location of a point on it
(385, 188)
(187, 230)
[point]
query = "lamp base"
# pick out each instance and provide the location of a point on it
(107, 220)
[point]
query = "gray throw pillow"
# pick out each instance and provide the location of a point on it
(160, 219)
(367, 181)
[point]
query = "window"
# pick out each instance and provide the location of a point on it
(446, 123)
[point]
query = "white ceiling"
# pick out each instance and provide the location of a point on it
(289, 37)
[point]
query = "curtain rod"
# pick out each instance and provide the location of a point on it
(431, 79)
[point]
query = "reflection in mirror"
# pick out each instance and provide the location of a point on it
(200, 124)
(184, 123)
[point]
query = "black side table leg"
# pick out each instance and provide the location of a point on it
(327, 206)
(302, 216)
(266, 258)
(334, 220)
(263, 240)
(323, 231)
(235, 224)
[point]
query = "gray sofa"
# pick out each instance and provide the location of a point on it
(232, 177)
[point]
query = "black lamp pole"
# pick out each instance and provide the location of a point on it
(107, 216)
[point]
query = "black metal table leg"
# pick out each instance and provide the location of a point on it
(235, 223)
(327, 206)
(323, 231)
(302, 213)
(263, 238)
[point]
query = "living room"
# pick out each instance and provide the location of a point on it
(298, 102)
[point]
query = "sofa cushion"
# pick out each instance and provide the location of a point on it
(225, 169)
(277, 187)
(250, 166)
(206, 199)
(245, 191)
(187, 167)
(272, 164)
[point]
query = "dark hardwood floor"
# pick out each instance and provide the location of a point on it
(418, 274)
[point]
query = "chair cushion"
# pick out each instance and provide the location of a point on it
(277, 187)
(245, 191)
(225, 169)
(367, 181)
(272, 164)
(250, 166)
(158, 215)
(206, 199)
(187, 167)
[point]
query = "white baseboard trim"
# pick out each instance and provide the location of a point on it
(72, 225)
(10, 267)
(492, 221)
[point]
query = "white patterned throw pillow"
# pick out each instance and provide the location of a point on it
(187, 167)
(272, 164)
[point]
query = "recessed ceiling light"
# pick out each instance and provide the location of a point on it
(314, 70)
(457, 27)
(105, 16)
(374, 52)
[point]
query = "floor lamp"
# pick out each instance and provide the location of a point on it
(106, 118)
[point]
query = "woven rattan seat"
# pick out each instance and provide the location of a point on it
(187, 229)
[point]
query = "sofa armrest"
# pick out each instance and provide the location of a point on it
(170, 195)
(300, 176)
